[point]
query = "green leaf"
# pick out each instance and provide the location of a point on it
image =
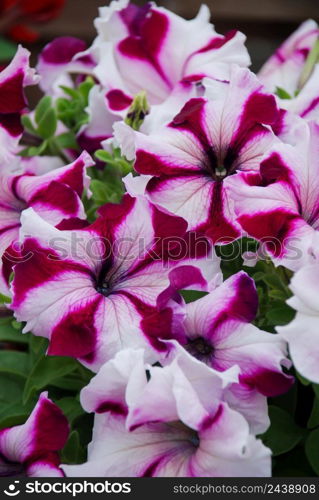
(28, 125)
(71, 408)
(67, 140)
(84, 89)
(314, 417)
(103, 192)
(69, 91)
(14, 362)
(68, 383)
(11, 390)
(274, 281)
(43, 106)
(312, 450)
(38, 344)
(103, 155)
(293, 464)
(71, 451)
(192, 295)
(280, 315)
(10, 334)
(283, 434)
(45, 371)
(48, 124)
(34, 150)
(7, 49)
(282, 93)
(316, 389)
(302, 379)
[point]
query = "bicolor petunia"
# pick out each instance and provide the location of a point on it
(107, 286)
(279, 206)
(13, 79)
(31, 449)
(166, 422)
(219, 333)
(59, 60)
(55, 195)
(209, 141)
(283, 73)
(302, 333)
(137, 49)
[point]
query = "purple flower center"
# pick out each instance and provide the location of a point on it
(200, 348)
(104, 283)
(10, 469)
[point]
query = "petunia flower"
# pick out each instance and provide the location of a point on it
(55, 195)
(279, 205)
(168, 422)
(219, 333)
(136, 50)
(32, 449)
(59, 59)
(140, 45)
(97, 290)
(13, 79)
(209, 141)
(302, 333)
(283, 72)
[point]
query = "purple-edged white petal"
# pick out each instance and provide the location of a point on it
(284, 67)
(31, 449)
(209, 141)
(219, 334)
(302, 333)
(108, 286)
(60, 57)
(174, 425)
(55, 195)
(279, 205)
(100, 124)
(13, 79)
(139, 45)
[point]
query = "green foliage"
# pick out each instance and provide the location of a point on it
(283, 434)
(26, 371)
(312, 450)
(282, 93)
(7, 49)
(71, 110)
(40, 134)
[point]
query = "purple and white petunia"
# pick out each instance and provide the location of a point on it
(303, 331)
(13, 79)
(219, 333)
(59, 60)
(99, 289)
(55, 195)
(279, 205)
(166, 422)
(284, 70)
(138, 48)
(209, 141)
(32, 449)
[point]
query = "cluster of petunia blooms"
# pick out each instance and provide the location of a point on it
(180, 389)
